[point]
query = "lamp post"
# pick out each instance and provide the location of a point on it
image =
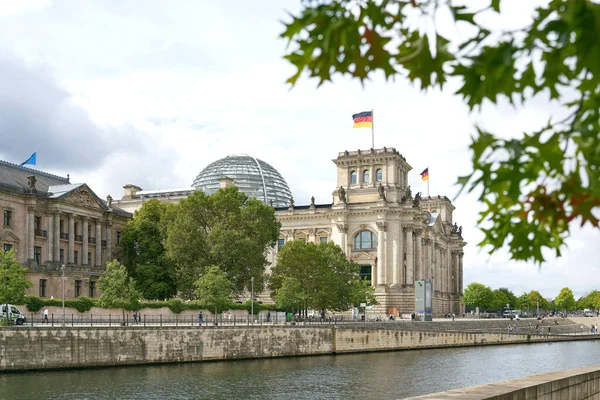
(537, 303)
(252, 299)
(63, 293)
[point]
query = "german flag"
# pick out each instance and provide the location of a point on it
(425, 174)
(363, 119)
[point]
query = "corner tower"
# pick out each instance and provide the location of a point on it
(361, 172)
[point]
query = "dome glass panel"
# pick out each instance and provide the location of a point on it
(252, 176)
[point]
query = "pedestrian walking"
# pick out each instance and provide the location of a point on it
(200, 318)
(135, 317)
(453, 317)
(45, 316)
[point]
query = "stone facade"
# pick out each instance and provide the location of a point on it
(395, 237)
(50, 222)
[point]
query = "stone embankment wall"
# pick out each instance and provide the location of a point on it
(580, 383)
(52, 348)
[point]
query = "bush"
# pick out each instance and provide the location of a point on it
(176, 306)
(33, 303)
(83, 304)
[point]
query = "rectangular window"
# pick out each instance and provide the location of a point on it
(7, 217)
(37, 254)
(89, 259)
(7, 247)
(37, 223)
(280, 242)
(323, 239)
(77, 288)
(92, 288)
(75, 229)
(43, 287)
(118, 237)
(62, 256)
(75, 257)
(62, 226)
(365, 272)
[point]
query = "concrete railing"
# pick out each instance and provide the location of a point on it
(574, 384)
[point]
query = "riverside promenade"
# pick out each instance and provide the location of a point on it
(45, 347)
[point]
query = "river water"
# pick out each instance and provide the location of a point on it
(388, 375)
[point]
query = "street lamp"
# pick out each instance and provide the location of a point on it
(537, 303)
(63, 293)
(252, 299)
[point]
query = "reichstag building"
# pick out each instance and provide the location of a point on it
(395, 236)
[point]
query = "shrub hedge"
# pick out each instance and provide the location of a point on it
(83, 304)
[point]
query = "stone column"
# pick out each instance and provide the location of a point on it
(381, 239)
(84, 244)
(455, 272)
(400, 266)
(343, 229)
(50, 237)
(98, 250)
(71, 258)
(30, 231)
(418, 255)
(410, 266)
(109, 240)
(460, 273)
(57, 236)
(312, 236)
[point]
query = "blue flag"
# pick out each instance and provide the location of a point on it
(30, 160)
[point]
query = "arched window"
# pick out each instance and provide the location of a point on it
(366, 176)
(379, 175)
(365, 240)
(353, 177)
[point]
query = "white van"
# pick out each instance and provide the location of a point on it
(15, 314)
(588, 313)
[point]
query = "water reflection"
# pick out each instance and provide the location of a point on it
(390, 375)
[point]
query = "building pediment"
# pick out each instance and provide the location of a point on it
(363, 256)
(8, 236)
(84, 196)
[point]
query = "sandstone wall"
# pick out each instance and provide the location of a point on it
(25, 348)
(579, 383)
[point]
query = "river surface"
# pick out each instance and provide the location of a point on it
(386, 375)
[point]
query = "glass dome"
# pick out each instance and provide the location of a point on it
(252, 176)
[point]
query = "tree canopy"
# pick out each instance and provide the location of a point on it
(226, 229)
(565, 300)
(145, 254)
(316, 276)
(478, 295)
(534, 185)
(213, 287)
(12, 279)
(118, 289)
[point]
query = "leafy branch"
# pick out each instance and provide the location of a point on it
(532, 186)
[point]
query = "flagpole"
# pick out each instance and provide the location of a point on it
(428, 182)
(372, 128)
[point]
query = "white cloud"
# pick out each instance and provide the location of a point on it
(201, 80)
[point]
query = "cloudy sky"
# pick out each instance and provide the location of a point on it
(150, 92)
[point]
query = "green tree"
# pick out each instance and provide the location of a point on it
(214, 288)
(510, 297)
(145, 255)
(291, 295)
(478, 295)
(500, 300)
(328, 280)
(226, 229)
(12, 280)
(532, 185)
(118, 289)
(565, 300)
(535, 299)
(523, 302)
(587, 301)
